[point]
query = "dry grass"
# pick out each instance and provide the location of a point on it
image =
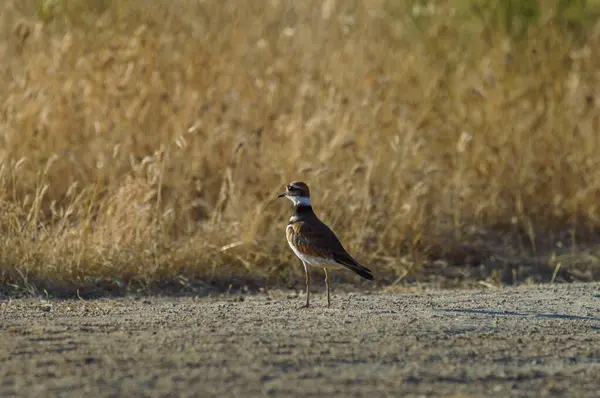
(142, 143)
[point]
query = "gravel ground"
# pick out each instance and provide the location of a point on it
(525, 341)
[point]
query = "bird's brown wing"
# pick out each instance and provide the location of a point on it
(317, 240)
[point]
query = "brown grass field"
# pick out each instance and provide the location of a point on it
(143, 143)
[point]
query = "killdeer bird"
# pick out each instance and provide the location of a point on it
(313, 242)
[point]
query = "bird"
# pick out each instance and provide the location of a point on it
(313, 242)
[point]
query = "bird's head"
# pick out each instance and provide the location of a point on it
(297, 192)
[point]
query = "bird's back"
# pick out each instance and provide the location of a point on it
(310, 238)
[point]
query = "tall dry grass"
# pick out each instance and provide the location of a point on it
(142, 143)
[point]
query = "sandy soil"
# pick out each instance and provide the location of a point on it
(527, 341)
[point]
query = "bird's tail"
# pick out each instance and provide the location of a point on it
(360, 270)
(347, 261)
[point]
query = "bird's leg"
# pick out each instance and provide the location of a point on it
(307, 287)
(327, 284)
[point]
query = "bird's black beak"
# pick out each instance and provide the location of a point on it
(281, 195)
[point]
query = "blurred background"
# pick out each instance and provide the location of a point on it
(448, 143)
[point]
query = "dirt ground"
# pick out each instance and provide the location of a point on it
(525, 341)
